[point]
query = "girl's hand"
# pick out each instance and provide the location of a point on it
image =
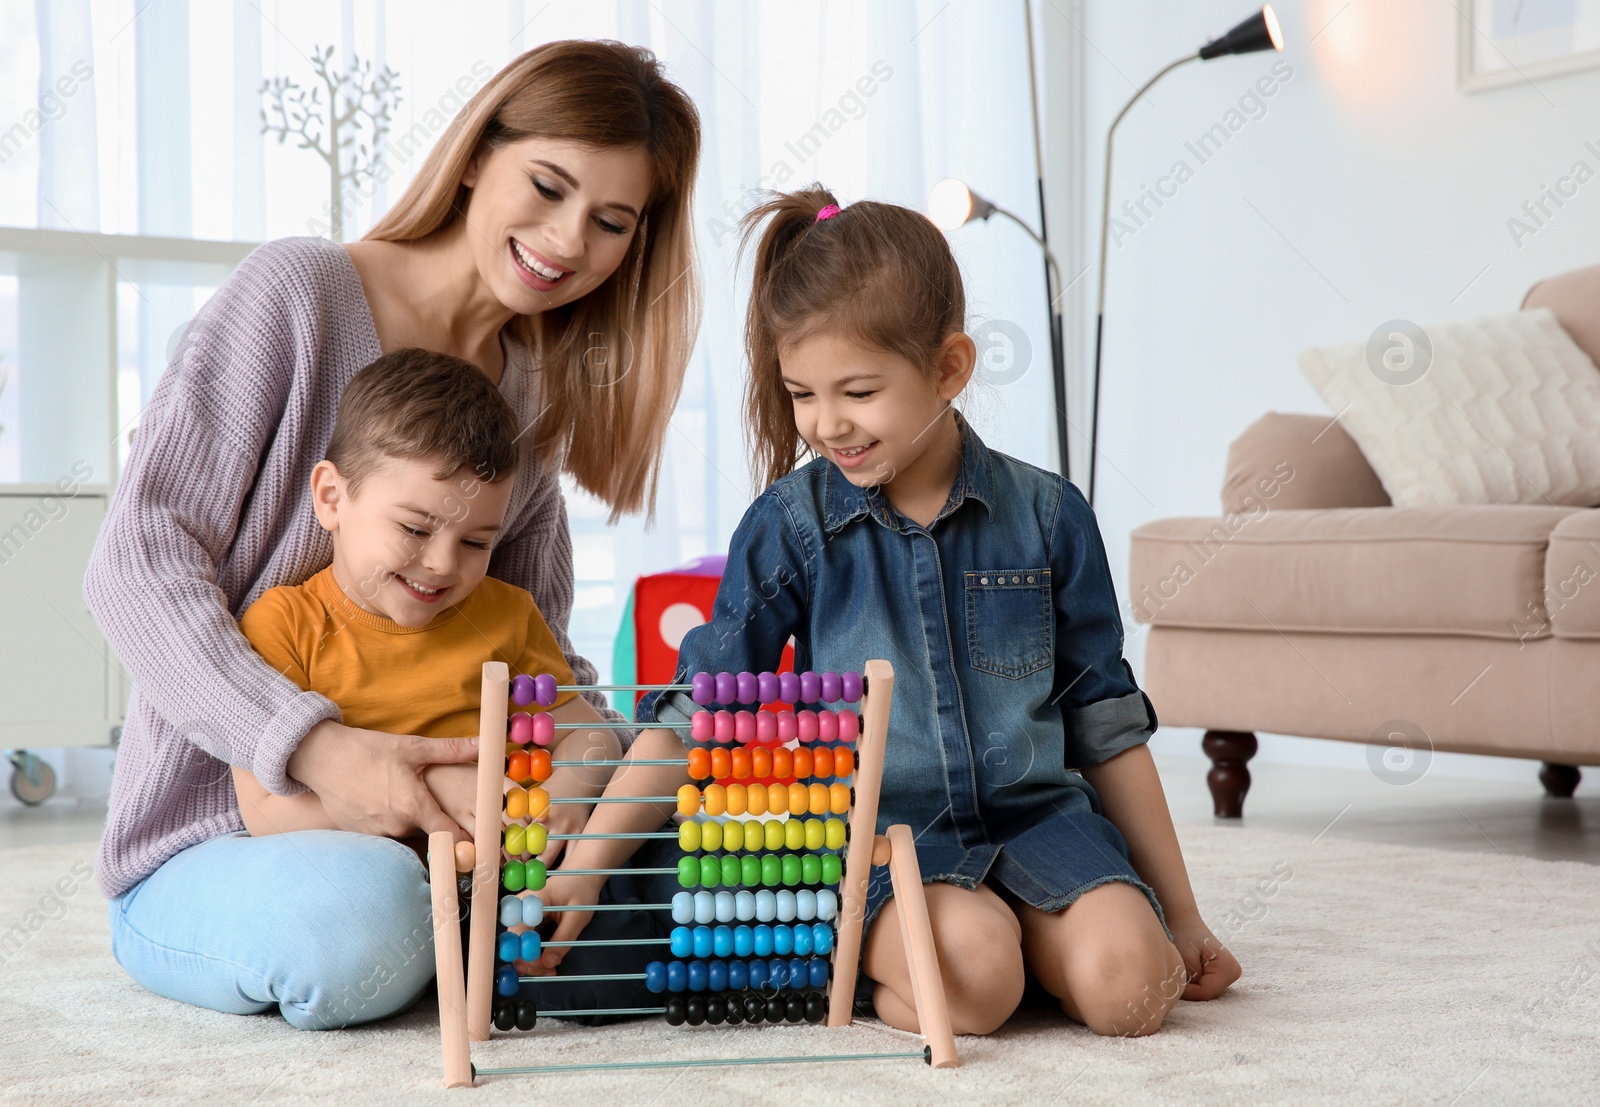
(559, 892)
(1212, 968)
(562, 818)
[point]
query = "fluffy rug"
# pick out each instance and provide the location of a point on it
(1372, 974)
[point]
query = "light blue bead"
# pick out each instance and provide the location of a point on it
(766, 906)
(722, 943)
(683, 908)
(705, 908)
(744, 942)
(802, 939)
(510, 910)
(744, 905)
(725, 907)
(827, 904)
(506, 948)
(782, 940)
(682, 941)
(531, 944)
(532, 910)
(821, 939)
(805, 904)
(702, 942)
(786, 906)
(763, 941)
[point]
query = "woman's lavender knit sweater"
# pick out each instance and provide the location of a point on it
(214, 508)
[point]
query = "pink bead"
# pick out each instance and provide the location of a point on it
(522, 690)
(744, 727)
(849, 726)
(701, 727)
(722, 726)
(766, 727)
(766, 687)
(806, 723)
(522, 727)
(786, 726)
(544, 729)
(827, 726)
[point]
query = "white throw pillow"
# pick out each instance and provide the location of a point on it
(1503, 409)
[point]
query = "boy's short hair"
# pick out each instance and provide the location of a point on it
(419, 405)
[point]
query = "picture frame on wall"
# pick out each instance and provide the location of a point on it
(1508, 42)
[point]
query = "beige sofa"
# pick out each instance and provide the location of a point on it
(1312, 607)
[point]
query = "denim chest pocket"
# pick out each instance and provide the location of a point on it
(1010, 621)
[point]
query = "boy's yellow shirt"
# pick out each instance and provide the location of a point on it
(402, 680)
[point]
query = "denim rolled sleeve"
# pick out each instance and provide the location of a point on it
(1102, 707)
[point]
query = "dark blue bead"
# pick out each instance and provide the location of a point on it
(717, 976)
(655, 976)
(697, 976)
(758, 974)
(738, 976)
(505, 980)
(677, 977)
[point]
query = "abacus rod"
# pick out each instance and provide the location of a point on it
(579, 942)
(607, 872)
(529, 1070)
(641, 835)
(587, 978)
(612, 907)
(621, 726)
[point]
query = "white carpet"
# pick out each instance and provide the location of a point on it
(1372, 974)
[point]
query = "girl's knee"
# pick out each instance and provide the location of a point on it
(983, 976)
(1128, 988)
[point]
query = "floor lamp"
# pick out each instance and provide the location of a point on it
(1259, 32)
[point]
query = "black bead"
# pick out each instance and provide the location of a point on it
(695, 1010)
(816, 1007)
(794, 1007)
(755, 1008)
(677, 1011)
(716, 1010)
(776, 1009)
(527, 1014)
(735, 1011)
(505, 1014)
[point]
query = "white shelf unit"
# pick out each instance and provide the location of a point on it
(94, 313)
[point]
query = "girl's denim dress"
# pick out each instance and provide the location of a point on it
(1001, 622)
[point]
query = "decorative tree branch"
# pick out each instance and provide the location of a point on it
(352, 108)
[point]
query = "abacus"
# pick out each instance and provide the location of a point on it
(810, 901)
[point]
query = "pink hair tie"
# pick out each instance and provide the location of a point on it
(828, 212)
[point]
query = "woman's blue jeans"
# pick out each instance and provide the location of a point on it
(332, 928)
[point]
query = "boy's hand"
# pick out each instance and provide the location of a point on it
(563, 818)
(559, 892)
(455, 789)
(1212, 968)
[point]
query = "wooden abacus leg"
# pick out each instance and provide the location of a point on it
(486, 873)
(863, 829)
(447, 961)
(916, 936)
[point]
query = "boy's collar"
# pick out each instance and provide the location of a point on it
(843, 501)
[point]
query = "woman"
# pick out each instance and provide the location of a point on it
(547, 239)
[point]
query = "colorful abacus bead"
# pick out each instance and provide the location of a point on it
(788, 687)
(745, 687)
(544, 729)
(810, 687)
(723, 726)
(766, 727)
(744, 728)
(701, 726)
(827, 726)
(830, 687)
(806, 725)
(787, 730)
(521, 728)
(850, 687)
(766, 687)
(522, 690)
(703, 689)
(544, 690)
(727, 688)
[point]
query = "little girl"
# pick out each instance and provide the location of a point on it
(1017, 737)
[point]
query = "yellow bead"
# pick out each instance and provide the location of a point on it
(834, 829)
(538, 803)
(817, 799)
(772, 832)
(799, 798)
(839, 798)
(517, 803)
(777, 799)
(689, 836)
(816, 837)
(794, 834)
(689, 800)
(716, 799)
(711, 836)
(755, 800)
(516, 839)
(538, 837)
(753, 835)
(736, 799)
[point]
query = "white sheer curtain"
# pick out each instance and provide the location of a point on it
(877, 100)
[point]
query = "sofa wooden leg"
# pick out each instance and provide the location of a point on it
(1229, 777)
(1559, 781)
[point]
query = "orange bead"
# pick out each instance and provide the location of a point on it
(844, 761)
(755, 799)
(817, 799)
(777, 799)
(739, 765)
(688, 801)
(517, 767)
(538, 803)
(699, 763)
(822, 762)
(736, 799)
(799, 798)
(802, 762)
(760, 763)
(720, 764)
(716, 799)
(782, 763)
(838, 799)
(517, 804)
(539, 765)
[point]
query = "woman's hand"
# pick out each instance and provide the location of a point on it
(1212, 968)
(455, 790)
(372, 783)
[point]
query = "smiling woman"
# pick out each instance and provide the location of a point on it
(547, 242)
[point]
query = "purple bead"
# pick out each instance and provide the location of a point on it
(850, 687)
(766, 687)
(522, 690)
(746, 687)
(830, 687)
(727, 688)
(810, 687)
(703, 689)
(544, 690)
(788, 687)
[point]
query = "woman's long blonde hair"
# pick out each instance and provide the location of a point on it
(605, 425)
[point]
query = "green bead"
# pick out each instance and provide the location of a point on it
(710, 872)
(749, 871)
(688, 872)
(771, 870)
(832, 868)
(791, 869)
(810, 869)
(535, 874)
(513, 876)
(730, 870)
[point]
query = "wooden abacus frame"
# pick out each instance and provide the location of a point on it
(465, 1006)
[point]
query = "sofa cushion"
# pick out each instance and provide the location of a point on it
(1474, 570)
(1495, 410)
(1572, 297)
(1572, 577)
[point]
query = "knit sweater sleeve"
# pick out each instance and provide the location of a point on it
(152, 579)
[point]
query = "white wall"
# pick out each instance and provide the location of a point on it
(1368, 189)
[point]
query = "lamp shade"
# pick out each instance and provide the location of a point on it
(1259, 32)
(951, 203)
